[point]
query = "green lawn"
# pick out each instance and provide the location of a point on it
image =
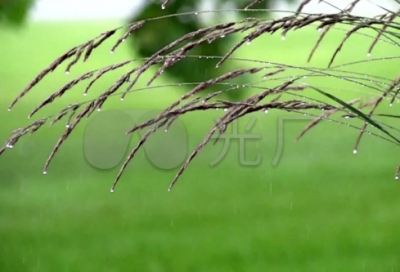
(321, 209)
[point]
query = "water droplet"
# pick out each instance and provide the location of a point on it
(396, 177)
(283, 38)
(67, 72)
(85, 94)
(122, 99)
(166, 130)
(369, 54)
(162, 7)
(44, 172)
(9, 109)
(266, 111)
(111, 52)
(112, 191)
(391, 105)
(355, 151)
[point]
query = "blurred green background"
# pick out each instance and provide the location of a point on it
(321, 209)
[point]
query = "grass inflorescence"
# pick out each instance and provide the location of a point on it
(268, 98)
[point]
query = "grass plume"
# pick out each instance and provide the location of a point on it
(267, 99)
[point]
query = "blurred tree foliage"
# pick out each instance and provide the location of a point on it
(14, 12)
(156, 34)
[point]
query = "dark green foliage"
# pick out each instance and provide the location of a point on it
(14, 12)
(159, 33)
